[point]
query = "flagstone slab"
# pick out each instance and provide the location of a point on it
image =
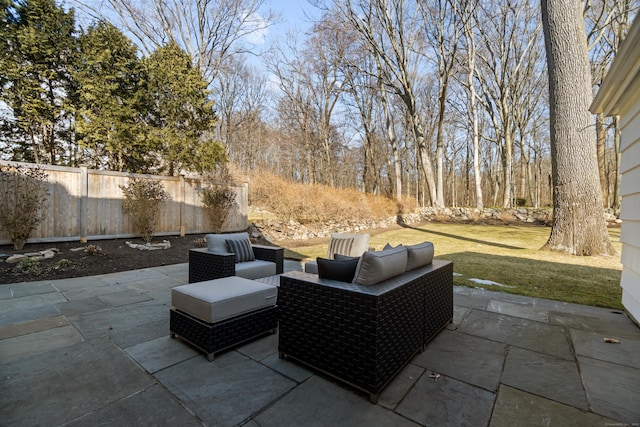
(29, 302)
(161, 353)
(622, 326)
(154, 284)
(289, 369)
(108, 322)
(74, 308)
(161, 296)
(546, 376)
(26, 312)
(38, 342)
(151, 407)
(124, 277)
(605, 314)
(613, 390)
(32, 288)
(318, 403)
(76, 283)
(398, 388)
(63, 384)
(524, 311)
(470, 301)
(593, 345)
(96, 290)
(226, 391)
(449, 403)
(260, 348)
(529, 334)
(140, 333)
(518, 408)
(17, 329)
(126, 297)
(459, 313)
(177, 271)
(6, 292)
(467, 358)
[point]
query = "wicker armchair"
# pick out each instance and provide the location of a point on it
(206, 265)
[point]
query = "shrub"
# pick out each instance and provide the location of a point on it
(63, 264)
(30, 265)
(143, 202)
(218, 198)
(520, 202)
(315, 203)
(23, 193)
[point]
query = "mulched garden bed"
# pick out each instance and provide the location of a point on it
(114, 255)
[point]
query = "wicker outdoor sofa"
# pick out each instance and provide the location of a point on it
(363, 335)
(216, 261)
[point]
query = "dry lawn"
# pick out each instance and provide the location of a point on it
(508, 255)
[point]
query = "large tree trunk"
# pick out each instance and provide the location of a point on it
(579, 227)
(600, 150)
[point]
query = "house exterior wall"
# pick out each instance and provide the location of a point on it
(630, 209)
(619, 96)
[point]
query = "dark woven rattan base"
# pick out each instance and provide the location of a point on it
(205, 265)
(214, 337)
(363, 335)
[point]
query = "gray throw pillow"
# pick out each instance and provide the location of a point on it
(242, 249)
(340, 246)
(377, 266)
(419, 255)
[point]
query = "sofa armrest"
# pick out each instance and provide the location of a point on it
(273, 254)
(205, 265)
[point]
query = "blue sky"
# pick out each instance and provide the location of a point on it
(292, 17)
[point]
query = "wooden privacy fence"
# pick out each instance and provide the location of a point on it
(87, 204)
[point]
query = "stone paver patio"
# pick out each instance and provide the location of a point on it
(96, 351)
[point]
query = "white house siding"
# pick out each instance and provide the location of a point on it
(619, 96)
(630, 209)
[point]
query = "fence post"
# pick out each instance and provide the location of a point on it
(182, 197)
(84, 203)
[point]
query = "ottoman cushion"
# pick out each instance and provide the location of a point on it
(220, 299)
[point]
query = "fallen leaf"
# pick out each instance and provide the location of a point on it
(435, 376)
(612, 341)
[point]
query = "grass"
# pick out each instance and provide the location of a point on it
(508, 255)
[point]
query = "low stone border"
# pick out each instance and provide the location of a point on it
(275, 230)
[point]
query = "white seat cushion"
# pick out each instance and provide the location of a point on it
(220, 299)
(255, 269)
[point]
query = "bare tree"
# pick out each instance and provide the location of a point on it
(444, 23)
(579, 227)
(241, 107)
(607, 23)
(209, 31)
(510, 33)
(391, 30)
(472, 96)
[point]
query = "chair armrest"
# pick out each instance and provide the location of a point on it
(270, 253)
(204, 265)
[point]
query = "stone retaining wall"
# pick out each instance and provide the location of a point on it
(275, 230)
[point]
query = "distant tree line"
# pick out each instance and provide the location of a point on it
(71, 97)
(444, 101)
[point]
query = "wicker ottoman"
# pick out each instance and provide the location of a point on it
(222, 313)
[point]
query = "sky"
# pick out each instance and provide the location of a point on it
(295, 15)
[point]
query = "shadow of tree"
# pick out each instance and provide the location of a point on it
(453, 236)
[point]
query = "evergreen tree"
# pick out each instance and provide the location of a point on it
(111, 79)
(180, 113)
(38, 48)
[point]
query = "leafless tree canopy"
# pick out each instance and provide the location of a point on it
(444, 102)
